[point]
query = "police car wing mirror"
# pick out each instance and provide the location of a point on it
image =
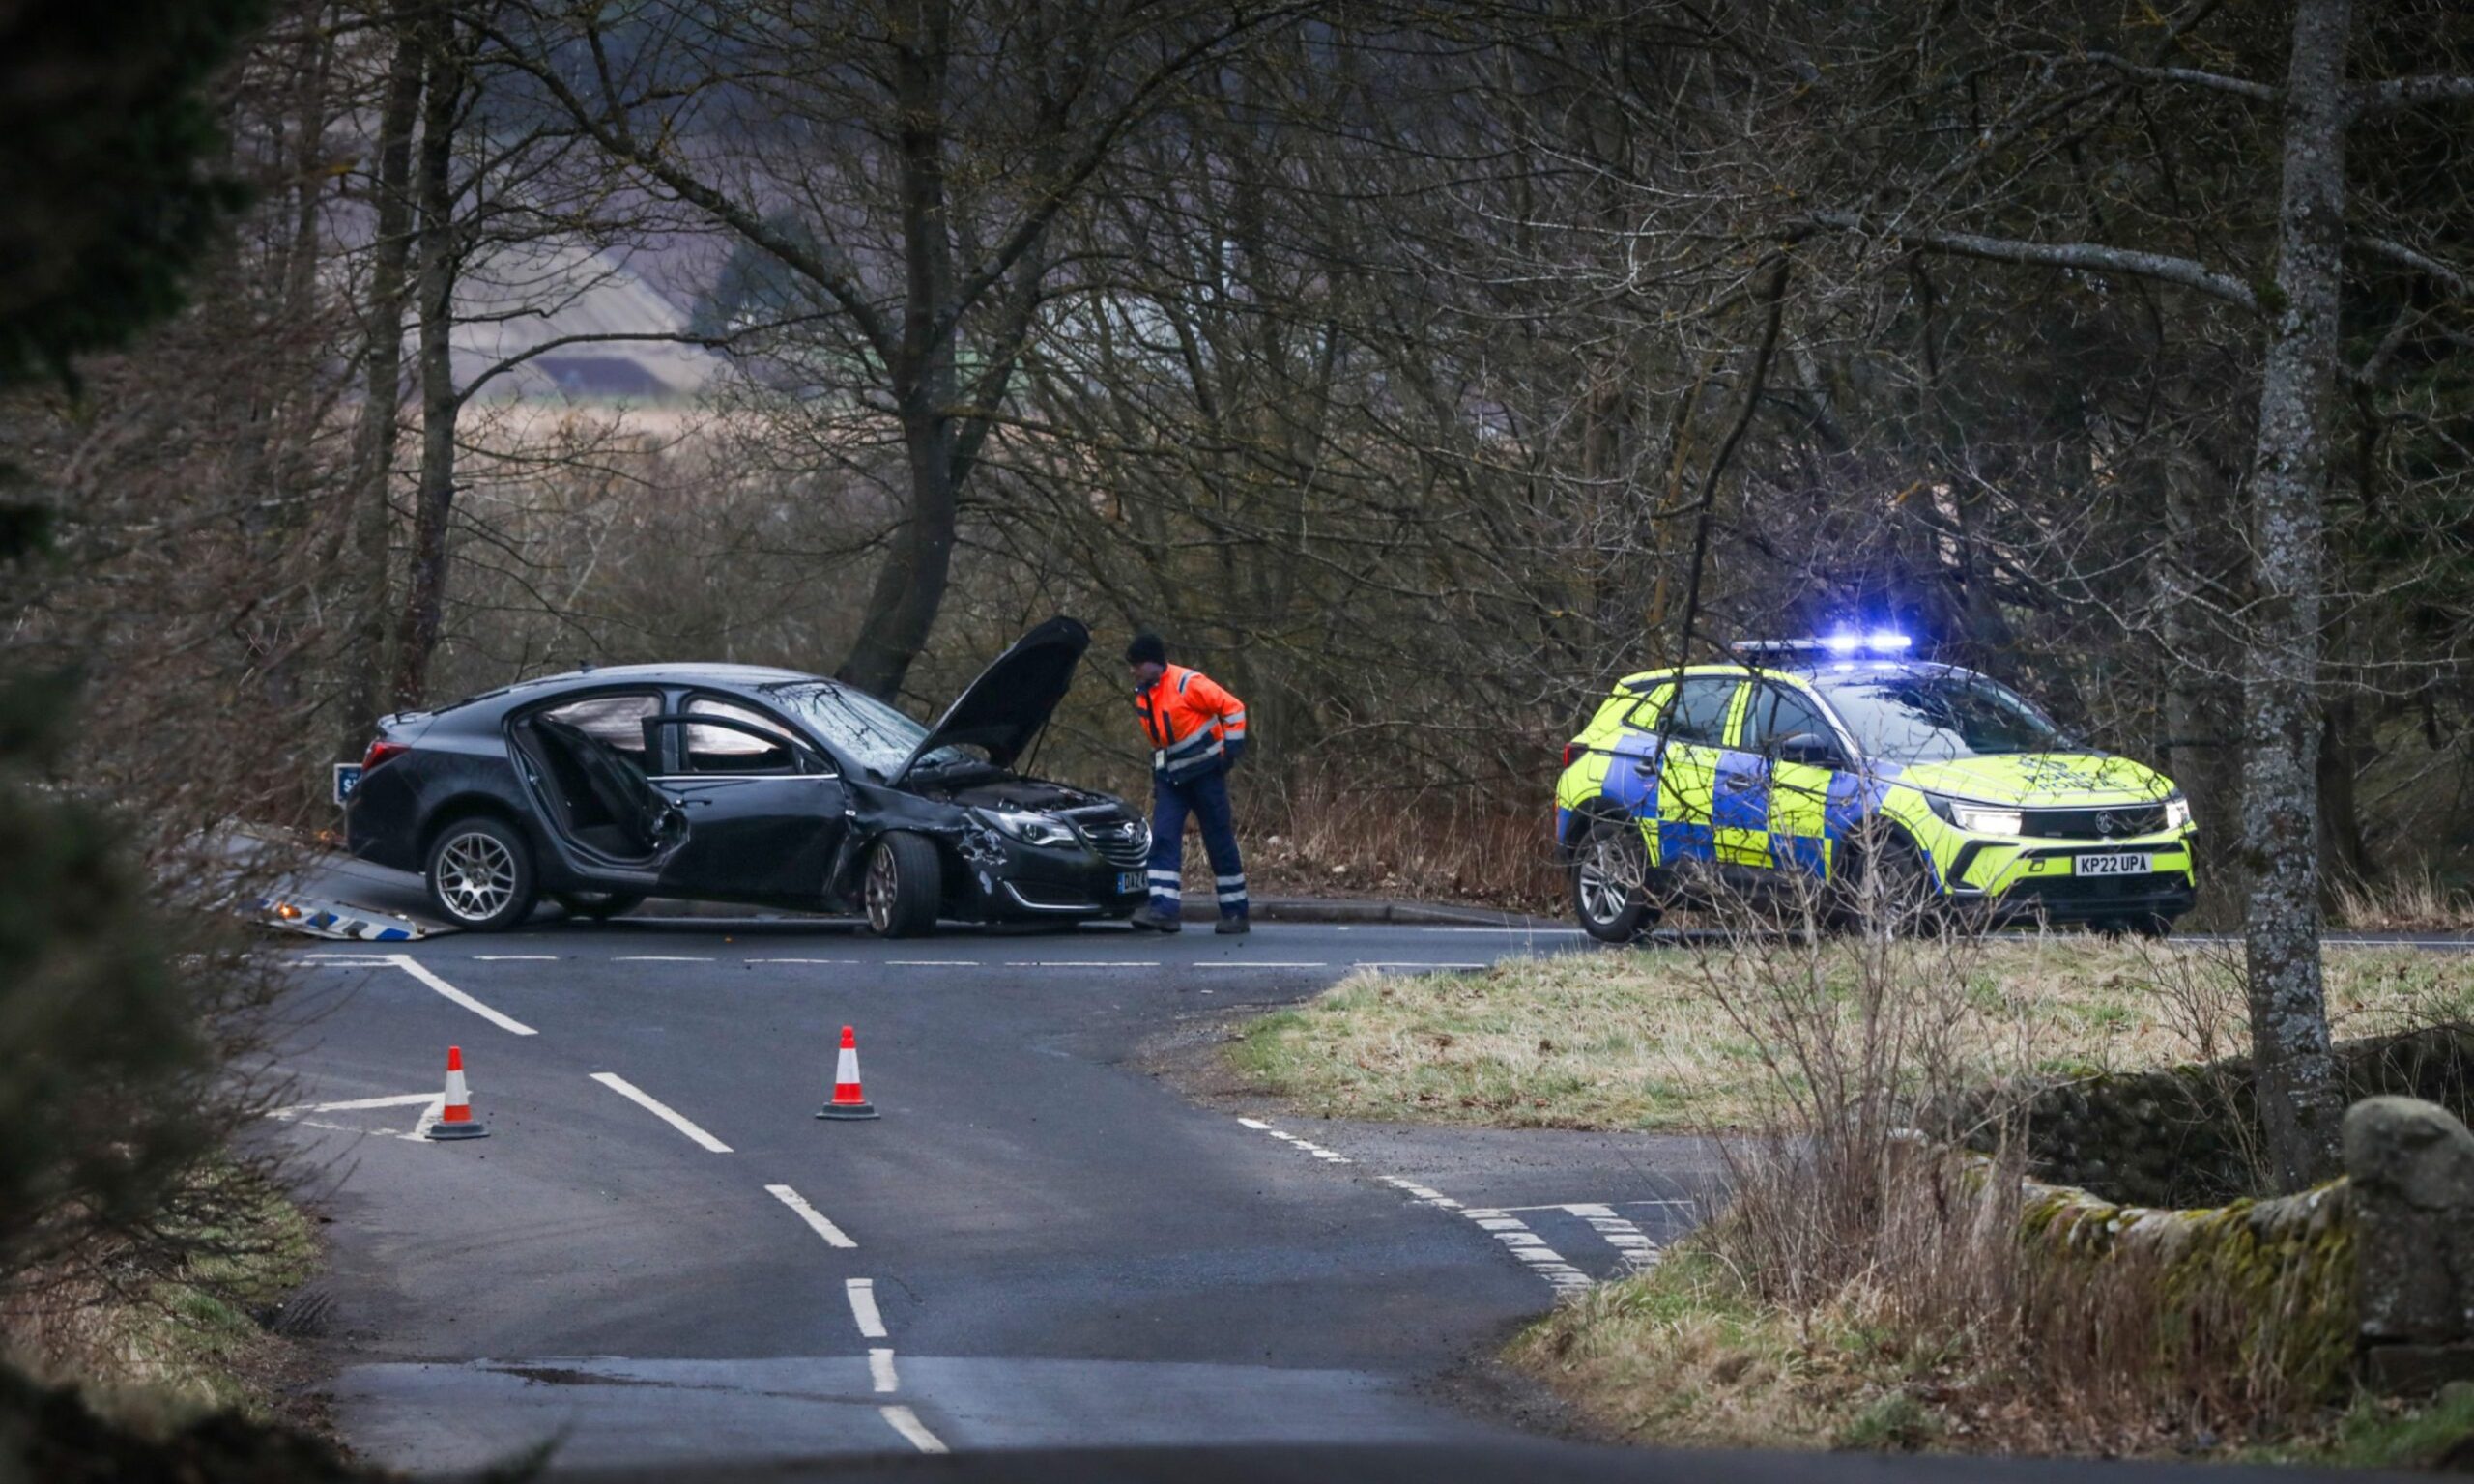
(1810, 749)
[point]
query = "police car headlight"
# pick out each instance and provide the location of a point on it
(1031, 829)
(1977, 819)
(2177, 811)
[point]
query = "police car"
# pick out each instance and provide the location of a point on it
(1844, 761)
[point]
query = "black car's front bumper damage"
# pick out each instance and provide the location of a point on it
(1100, 873)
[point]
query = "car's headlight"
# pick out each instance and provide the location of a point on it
(1977, 819)
(2177, 812)
(1031, 829)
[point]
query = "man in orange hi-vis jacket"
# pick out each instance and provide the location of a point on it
(1196, 731)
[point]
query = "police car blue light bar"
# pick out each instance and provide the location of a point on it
(1843, 644)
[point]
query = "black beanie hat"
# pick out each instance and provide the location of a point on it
(1146, 649)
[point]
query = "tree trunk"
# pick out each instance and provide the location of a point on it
(2300, 1095)
(911, 584)
(435, 497)
(382, 393)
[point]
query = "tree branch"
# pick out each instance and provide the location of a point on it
(2371, 100)
(2089, 257)
(2240, 87)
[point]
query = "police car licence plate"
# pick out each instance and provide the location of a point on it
(1130, 881)
(2114, 865)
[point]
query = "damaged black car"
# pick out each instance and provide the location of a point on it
(736, 784)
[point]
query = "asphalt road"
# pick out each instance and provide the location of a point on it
(660, 1255)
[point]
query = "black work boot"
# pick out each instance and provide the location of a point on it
(1233, 927)
(1152, 919)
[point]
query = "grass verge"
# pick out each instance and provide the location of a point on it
(1642, 1039)
(155, 1354)
(1686, 1356)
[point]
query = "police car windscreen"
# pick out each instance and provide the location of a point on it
(1912, 718)
(857, 725)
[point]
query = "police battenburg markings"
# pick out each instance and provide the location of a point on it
(321, 919)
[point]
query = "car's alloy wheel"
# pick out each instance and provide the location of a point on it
(1610, 869)
(904, 886)
(481, 874)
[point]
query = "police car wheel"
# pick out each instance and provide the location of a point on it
(1892, 892)
(904, 886)
(481, 874)
(1610, 872)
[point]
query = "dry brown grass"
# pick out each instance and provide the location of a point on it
(1324, 835)
(1639, 1039)
(2407, 901)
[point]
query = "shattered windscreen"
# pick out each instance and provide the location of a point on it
(857, 727)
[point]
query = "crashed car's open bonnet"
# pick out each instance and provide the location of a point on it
(1006, 708)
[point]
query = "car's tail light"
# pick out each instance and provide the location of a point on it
(380, 751)
(1571, 749)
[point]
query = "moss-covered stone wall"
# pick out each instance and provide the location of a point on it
(2185, 1137)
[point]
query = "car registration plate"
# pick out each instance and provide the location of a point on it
(1129, 881)
(346, 779)
(2114, 865)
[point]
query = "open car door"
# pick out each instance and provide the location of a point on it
(595, 798)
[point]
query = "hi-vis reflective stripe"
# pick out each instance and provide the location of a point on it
(1203, 742)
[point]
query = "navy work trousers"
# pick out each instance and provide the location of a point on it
(1206, 799)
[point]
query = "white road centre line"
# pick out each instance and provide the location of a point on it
(862, 1293)
(814, 1217)
(1082, 964)
(515, 957)
(1261, 963)
(411, 966)
(660, 959)
(932, 963)
(906, 1422)
(880, 1369)
(798, 961)
(654, 1106)
(348, 960)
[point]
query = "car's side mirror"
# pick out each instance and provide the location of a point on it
(1810, 749)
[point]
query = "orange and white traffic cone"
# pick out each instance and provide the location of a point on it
(455, 1119)
(848, 1100)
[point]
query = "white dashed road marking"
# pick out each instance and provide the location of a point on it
(1509, 1230)
(1258, 963)
(654, 1106)
(906, 1422)
(1082, 964)
(932, 963)
(798, 961)
(658, 958)
(1618, 1233)
(507, 1023)
(815, 1218)
(1327, 1156)
(862, 1293)
(515, 957)
(880, 1370)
